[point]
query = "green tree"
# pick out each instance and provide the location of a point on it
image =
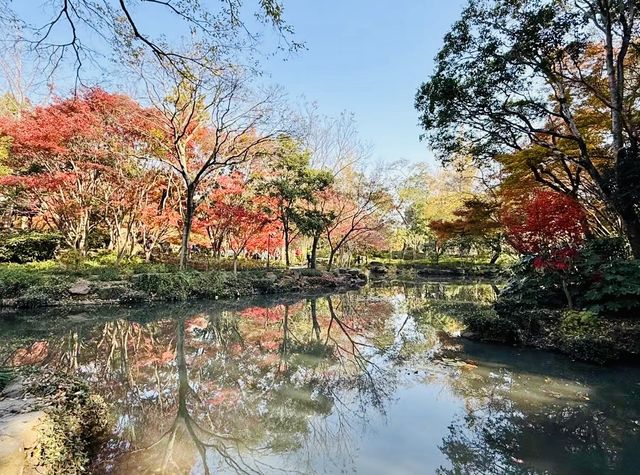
(312, 222)
(294, 186)
(477, 220)
(516, 75)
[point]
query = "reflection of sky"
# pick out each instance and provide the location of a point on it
(392, 418)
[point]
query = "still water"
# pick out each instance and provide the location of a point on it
(371, 382)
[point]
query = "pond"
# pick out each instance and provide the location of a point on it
(371, 381)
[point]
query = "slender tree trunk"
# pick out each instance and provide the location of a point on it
(497, 250)
(186, 227)
(284, 348)
(235, 263)
(567, 293)
(314, 250)
(285, 231)
(314, 317)
(332, 255)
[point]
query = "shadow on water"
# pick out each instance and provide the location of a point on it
(333, 383)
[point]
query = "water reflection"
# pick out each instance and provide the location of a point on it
(367, 381)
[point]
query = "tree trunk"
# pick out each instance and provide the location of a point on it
(567, 294)
(497, 250)
(285, 231)
(314, 250)
(235, 263)
(332, 255)
(186, 227)
(631, 225)
(626, 194)
(314, 318)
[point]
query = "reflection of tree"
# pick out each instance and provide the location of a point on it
(215, 389)
(186, 430)
(249, 384)
(234, 388)
(532, 420)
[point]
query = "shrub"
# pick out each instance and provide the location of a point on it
(72, 260)
(28, 247)
(598, 251)
(43, 293)
(79, 423)
(106, 274)
(579, 323)
(591, 348)
(492, 327)
(133, 297)
(310, 272)
(615, 289)
(180, 286)
(211, 285)
(14, 280)
(175, 286)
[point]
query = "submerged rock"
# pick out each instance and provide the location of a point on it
(13, 390)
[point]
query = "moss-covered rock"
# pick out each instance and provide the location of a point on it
(53, 425)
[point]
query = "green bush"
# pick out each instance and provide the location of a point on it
(615, 289)
(133, 297)
(579, 322)
(181, 286)
(106, 274)
(72, 260)
(176, 286)
(15, 279)
(310, 272)
(47, 290)
(600, 250)
(79, 423)
(491, 327)
(28, 247)
(591, 348)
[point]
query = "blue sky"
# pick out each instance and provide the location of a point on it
(367, 57)
(363, 56)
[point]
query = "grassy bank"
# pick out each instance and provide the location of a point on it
(53, 283)
(581, 335)
(445, 267)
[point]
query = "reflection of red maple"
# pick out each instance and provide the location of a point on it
(34, 354)
(264, 315)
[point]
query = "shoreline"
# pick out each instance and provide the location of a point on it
(71, 291)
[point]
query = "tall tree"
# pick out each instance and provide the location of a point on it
(62, 156)
(516, 75)
(478, 219)
(207, 123)
(293, 184)
(359, 207)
